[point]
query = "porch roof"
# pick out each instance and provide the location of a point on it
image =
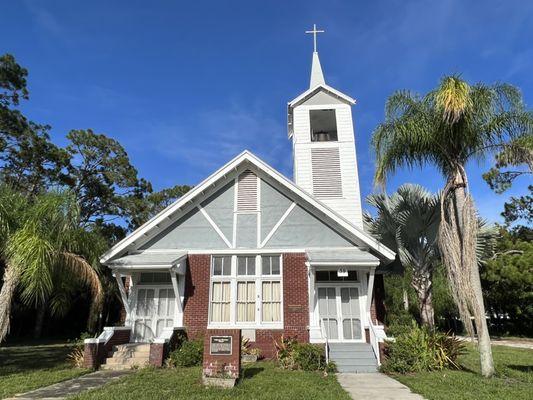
(354, 256)
(156, 259)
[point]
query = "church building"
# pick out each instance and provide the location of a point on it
(247, 248)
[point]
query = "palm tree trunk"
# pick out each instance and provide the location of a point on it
(457, 242)
(11, 280)
(39, 321)
(422, 283)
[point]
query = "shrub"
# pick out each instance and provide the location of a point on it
(293, 355)
(421, 349)
(399, 323)
(188, 355)
(309, 357)
(247, 349)
(76, 356)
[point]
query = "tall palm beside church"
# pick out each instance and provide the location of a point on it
(407, 222)
(448, 127)
(41, 245)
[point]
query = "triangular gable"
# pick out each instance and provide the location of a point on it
(312, 91)
(192, 203)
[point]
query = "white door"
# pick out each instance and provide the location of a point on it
(153, 312)
(339, 309)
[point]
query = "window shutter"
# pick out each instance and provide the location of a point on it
(247, 192)
(326, 168)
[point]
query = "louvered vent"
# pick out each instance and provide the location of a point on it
(247, 192)
(326, 167)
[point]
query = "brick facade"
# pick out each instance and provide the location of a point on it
(196, 307)
(295, 301)
(222, 365)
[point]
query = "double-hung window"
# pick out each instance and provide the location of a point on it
(221, 289)
(246, 290)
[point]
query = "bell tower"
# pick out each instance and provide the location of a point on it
(321, 128)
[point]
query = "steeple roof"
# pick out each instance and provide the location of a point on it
(317, 76)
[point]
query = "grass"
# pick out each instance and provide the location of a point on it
(261, 380)
(24, 368)
(513, 380)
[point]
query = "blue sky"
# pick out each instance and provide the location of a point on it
(185, 86)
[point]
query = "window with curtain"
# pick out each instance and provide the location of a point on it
(220, 301)
(271, 301)
(249, 293)
(246, 301)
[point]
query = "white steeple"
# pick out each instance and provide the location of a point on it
(317, 77)
(321, 128)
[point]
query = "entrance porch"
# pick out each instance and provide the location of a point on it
(341, 284)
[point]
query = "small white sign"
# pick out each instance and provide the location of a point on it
(342, 273)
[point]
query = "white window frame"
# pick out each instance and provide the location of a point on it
(233, 278)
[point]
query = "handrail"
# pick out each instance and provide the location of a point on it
(325, 336)
(374, 341)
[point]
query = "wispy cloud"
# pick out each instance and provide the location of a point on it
(44, 18)
(210, 138)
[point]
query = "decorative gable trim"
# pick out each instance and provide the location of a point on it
(246, 158)
(215, 226)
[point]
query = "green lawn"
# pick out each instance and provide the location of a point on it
(261, 380)
(514, 379)
(24, 368)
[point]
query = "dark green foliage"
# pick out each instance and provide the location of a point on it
(399, 323)
(305, 356)
(188, 355)
(309, 357)
(421, 349)
(507, 280)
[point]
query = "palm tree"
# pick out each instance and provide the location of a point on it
(448, 127)
(41, 244)
(408, 221)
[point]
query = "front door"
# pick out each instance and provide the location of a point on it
(154, 311)
(340, 312)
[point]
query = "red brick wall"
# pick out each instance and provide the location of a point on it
(214, 365)
(196, 307)
(295, 301)
(295, 296)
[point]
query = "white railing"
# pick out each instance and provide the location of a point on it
(374, 339)
(106, 334)
(325, 336)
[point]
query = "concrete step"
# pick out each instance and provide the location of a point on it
(115, 367)
(352, 356)
(132, 347)
(356, 369)
(129, 353)
(129, 361)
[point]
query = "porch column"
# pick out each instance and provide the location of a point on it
(370, 293)
(123, 295)
(177, 295)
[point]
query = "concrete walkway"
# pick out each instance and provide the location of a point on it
(73, 386)
(375, 386)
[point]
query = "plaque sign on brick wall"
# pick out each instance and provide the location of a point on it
(220, 345)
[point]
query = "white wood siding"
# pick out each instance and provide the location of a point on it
(349, 205)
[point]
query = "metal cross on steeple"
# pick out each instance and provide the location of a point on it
(314, 32)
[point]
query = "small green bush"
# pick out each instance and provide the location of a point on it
(309, 357)
(399, 323)
(420, 349)
(305, 356)
(188, 355)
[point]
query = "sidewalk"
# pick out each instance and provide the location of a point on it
(375, 386)
(73, 386)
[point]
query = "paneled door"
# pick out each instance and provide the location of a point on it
(327, 308)
(339, 309)
(154, 311)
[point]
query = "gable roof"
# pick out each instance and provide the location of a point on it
(248, 159)
(312, 90)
